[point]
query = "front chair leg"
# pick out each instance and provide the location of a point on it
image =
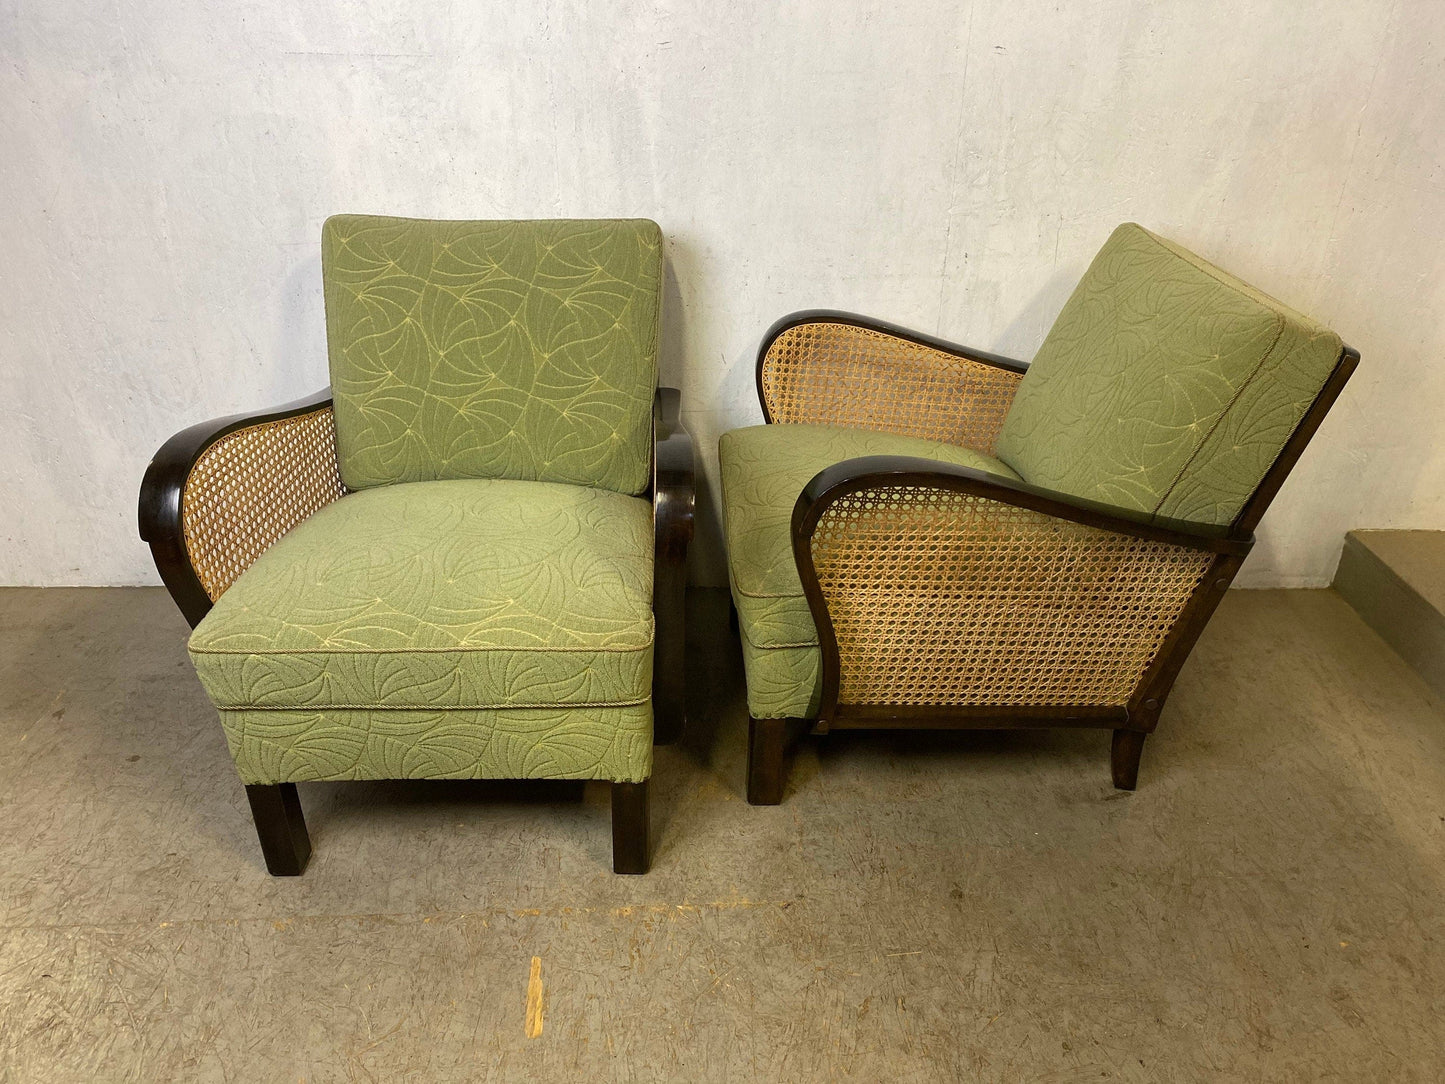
(767, 746)
(1124, 757)
(631, 827)
(276, 808)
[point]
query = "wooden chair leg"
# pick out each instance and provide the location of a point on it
(631, 828)
(1124, 757)
(276, 809)
(767, 747)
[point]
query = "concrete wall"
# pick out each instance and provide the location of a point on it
(165, 168)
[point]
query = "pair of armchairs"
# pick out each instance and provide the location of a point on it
(466, 558)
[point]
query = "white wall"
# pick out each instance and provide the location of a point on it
(165, 168)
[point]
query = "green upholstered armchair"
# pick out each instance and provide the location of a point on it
(931, 536)
(465, 559)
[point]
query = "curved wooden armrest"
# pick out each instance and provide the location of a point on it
(868, 472)
(939, 590)
(838, 368)
(192, 559)
(674, 498)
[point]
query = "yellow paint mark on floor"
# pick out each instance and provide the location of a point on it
(534, 999)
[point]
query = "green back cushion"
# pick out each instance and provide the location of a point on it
(1165, 386)
(493, 349)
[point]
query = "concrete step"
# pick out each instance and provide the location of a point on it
(1395, 580)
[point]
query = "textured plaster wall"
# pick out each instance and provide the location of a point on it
(165, 169)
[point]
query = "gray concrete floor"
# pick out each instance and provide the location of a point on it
(1267, 906)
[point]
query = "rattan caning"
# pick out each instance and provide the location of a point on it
(251, 487)
(939, 597)
(840, 374)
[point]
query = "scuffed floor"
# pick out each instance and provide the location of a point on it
(1270, 904)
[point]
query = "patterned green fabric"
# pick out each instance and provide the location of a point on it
(783, 682)
(764, 468)
(520, 350)
(1166, 385)
(573, 743)
(469, 603)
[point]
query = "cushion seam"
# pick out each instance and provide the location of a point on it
(751, 594)
(1224, 411)
(419, 650)
(1280, 323)
(559, 706)
(773, 647)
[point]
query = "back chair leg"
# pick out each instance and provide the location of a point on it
(1124, 757)
(631, 828)
(669, 700)
(669, 653)
(767, 747)
(276, 809)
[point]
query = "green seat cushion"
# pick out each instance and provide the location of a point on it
(1166, 385)
(764, 468)
(524, 350)
(450, 595)
(466, 628)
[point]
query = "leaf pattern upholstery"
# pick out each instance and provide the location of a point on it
(480, 628)
(523, 350)
(764, 468)
(574, 743)
(1166, 385)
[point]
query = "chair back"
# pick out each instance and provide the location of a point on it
(1166, 385)
(520, 349)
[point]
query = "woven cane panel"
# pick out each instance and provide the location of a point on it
(945, 598)
(838, 374)
(251, 487)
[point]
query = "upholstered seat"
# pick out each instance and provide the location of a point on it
(408, 631)
(764, 468)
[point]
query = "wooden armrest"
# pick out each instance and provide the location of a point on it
(837, 368)
(218, 494)
(868, 472)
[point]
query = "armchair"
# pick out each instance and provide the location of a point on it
(925, 535)
(469, 561)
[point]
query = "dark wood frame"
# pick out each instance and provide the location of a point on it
(276, 808)
(674, 499)
(1130, 723)
(164, 485)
